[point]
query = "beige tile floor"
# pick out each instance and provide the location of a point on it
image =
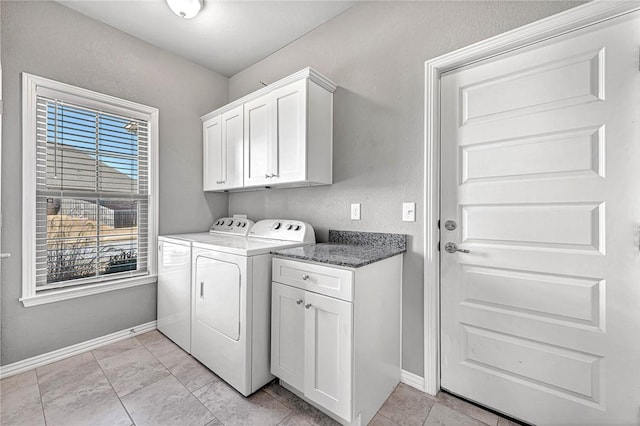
(148, 380)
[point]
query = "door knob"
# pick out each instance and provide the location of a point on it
(305, 277)
(299, 301)
(452, 248)
(308, 305)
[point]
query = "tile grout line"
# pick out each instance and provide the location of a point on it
(171, 373)
(112, 388)
(44, 417)
(198, 399)
(378, 413)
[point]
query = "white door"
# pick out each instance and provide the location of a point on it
(212, 151)
(2, 255)
(328, 348)
(287, 334)
(540, 151)
(257, 141)
(232, 148)
(289, 137)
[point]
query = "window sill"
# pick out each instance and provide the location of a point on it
(87, 290)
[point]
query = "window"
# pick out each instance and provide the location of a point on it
(89, 192)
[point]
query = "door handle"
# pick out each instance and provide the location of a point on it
(308, 305)
(202, 289)
(299, 301)
(5, 255)
(452, 248)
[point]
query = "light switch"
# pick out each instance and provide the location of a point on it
(355, 211)
(409, 212)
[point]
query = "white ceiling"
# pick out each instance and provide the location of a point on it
(227, 36)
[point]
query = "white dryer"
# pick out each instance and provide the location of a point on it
(231, 300)
(174, 276)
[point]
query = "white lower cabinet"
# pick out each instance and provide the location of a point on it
(340, 354)
(328, 339)
(287, 334)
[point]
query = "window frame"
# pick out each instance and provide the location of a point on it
(32, 86)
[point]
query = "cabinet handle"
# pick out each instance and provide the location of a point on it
(299, 301)
(305, 277)
(308, 305)
(267, 176)
(272, 175)
(202, 289)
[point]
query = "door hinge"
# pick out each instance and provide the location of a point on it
(438, 245)
(438, 223)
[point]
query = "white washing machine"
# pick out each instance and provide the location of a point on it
(174, 276)
(231, 307)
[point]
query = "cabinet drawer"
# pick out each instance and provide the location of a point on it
(321, 279)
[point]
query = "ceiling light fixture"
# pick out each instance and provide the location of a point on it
(186, 9)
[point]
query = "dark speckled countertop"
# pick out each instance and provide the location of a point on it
(350, 249)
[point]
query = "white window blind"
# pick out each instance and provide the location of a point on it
(92, 195)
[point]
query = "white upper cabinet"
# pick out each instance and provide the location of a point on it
(223, 150)
(212, 167)
(287, 134)
(257, 141)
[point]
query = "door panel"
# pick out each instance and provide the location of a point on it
(212, 172)
(539, 170)
(232, 148)
(217, 301)
(328, 341)
(289, 134)
(257, 142)
(287, 335)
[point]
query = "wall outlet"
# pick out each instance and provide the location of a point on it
(409, 212)
(355, 211)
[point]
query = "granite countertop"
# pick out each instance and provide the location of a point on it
(350, 249)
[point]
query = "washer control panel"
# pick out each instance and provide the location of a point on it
(231, 225)
(283, 230)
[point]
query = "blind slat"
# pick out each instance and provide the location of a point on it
(91, 195)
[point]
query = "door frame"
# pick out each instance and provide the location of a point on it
(553, 26)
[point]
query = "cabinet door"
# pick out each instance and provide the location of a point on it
(257, 141)
(287, 334)
(212, 153)
(328, 353)
(289, 133)
(232, 148)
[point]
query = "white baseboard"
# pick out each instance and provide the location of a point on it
(412, 380)
(69, 351)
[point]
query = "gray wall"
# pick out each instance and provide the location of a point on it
(375, 52)
(47, 39)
